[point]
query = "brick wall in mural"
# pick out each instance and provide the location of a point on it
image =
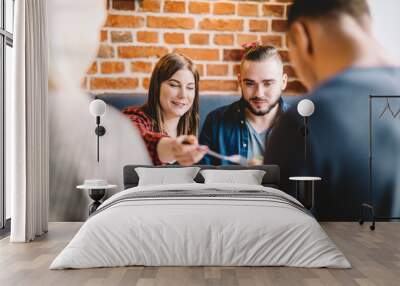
(137, 33)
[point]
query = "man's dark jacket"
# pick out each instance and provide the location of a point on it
(225, 131)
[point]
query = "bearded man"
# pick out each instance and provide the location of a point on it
(243, 126)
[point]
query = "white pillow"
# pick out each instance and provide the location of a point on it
(164, 176)
(248, 177)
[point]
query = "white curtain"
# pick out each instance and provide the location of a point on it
(27, 142)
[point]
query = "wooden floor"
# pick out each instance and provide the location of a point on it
(375, 257)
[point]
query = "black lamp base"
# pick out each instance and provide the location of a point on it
(305, 193)
(100, 130)
(96, 195)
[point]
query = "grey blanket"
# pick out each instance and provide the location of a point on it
(207, 194)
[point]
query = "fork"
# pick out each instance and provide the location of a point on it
(237, 159)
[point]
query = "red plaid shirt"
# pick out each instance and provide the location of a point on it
(145, 124)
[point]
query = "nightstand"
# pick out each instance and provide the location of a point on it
(96, 193)
(305, 187)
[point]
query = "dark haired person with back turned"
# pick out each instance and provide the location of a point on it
(243, 126)
(339, 60)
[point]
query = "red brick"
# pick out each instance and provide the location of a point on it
(150, 5)
(232, 54)
(199, 39)
(124, 21)
(112, 67)
(289, 70)
(147, 37)
(199, 7)
(123, 5)
(236, 70)
(279, 25)
(245, 38)
(246, 9)
(170, 22)
(146, 83)
(295, 87)
(113, 83)
(272, 40)
(224, 8)
(273, 10)
(121, 36)
(200, 69)
(285, 56)
(287, 40)
(218, 85)
(174, 38)
(258, 26)
(105, 51)
(141, 67)
(199, 54)
(221, 25)
(141, 52)
(92, 69)
(103, 35)
(174, 7)
(223, 39)
(217, 70)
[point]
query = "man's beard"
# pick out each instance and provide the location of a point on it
(259, 112)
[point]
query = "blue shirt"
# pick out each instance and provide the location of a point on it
(256, 142)
(225, 131)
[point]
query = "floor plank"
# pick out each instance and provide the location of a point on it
(375, 257)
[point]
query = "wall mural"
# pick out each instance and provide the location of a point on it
(232, 98)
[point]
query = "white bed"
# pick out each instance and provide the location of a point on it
(224, 225)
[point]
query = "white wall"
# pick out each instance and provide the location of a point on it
(386, 24)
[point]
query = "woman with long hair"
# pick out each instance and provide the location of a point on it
(169, 120)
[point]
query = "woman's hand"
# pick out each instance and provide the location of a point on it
(185, 149)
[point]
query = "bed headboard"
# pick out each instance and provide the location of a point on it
(270, 179)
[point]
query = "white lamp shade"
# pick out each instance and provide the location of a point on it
(305, 107)
(97, 107)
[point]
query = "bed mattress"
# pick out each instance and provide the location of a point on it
(201, 225)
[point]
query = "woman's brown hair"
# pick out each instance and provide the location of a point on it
(165, 68)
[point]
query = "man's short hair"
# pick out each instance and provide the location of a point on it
(260, 53)
(315, 9)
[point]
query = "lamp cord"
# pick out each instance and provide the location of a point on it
(98, 143)
(98, 136)
(305, 139)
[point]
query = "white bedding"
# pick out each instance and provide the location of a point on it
(182, 231)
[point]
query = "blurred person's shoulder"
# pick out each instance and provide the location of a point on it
(359, 81)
